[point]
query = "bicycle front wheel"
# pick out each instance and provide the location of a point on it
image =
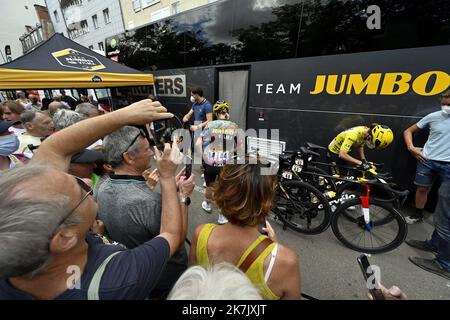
(302, 207)
(386, 231)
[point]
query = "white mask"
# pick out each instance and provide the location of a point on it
(8, 144)
(192, 99)
(446, 109)
(370, 145)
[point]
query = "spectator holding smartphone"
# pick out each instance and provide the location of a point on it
(127, 203)
(47, 251)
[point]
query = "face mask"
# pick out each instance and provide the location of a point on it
(8, 144)
(192, 99)
(446, 109)
(370, 145)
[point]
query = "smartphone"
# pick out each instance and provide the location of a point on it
(188, 171)
(188, 168)
(369, 275)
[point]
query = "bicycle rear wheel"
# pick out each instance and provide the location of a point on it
(302, 207)
(386, 231)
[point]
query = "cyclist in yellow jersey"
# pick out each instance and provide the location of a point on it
(376, 136)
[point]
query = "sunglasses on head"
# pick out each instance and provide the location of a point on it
(141, 133)
(85, 187)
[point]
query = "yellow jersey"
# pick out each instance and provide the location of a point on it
(346, 140)
(255, 272)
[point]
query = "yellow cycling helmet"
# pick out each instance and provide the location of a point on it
(381, 136)
(221, 104)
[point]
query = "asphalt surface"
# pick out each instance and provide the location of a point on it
(330, 271)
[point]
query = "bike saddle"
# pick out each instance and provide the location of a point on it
(315, 146)
(303, 150)
(385, 175)
(403, 193)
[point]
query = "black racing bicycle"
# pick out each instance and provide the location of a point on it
(299, 205)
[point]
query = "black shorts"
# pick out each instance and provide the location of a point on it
(339, 162)
(211, 173)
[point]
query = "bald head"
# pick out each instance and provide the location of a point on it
(53, 107)
(33, 99)
(88, 110)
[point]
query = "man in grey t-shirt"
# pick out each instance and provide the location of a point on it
(434, 158)
(129, 209)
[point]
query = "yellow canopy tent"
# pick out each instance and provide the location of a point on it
(62, 63)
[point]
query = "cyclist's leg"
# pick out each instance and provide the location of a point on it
(211, 174)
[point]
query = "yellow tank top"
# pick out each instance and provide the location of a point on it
(353, 137)
(255, 272)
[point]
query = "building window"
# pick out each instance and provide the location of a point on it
(160, 14)
(84, 27)
(71, 3)
(91, 47)
(95, 21)
(175, 7)
(101, 46)
(73, 33)
(136, 5)
(106, 16)
(148, 3)
(55, 13)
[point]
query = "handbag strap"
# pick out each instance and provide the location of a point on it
(94, 286)
(254, 254)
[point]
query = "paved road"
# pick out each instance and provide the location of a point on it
(329, 270)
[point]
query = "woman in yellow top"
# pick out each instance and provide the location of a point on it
(376, 136)
(245, 198)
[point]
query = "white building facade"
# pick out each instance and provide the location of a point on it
(139, 12)
(87, 22)
(18, 17)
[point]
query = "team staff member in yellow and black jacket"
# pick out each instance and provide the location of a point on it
(376, 136)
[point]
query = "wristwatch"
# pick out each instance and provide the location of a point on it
(185, 200)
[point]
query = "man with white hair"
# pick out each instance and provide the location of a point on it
(47, 251)
(39, 126)
(127, 205)
(64, 118)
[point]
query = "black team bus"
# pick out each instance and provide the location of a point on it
(310, 68)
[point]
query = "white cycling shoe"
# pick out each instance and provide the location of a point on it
(207, 206)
